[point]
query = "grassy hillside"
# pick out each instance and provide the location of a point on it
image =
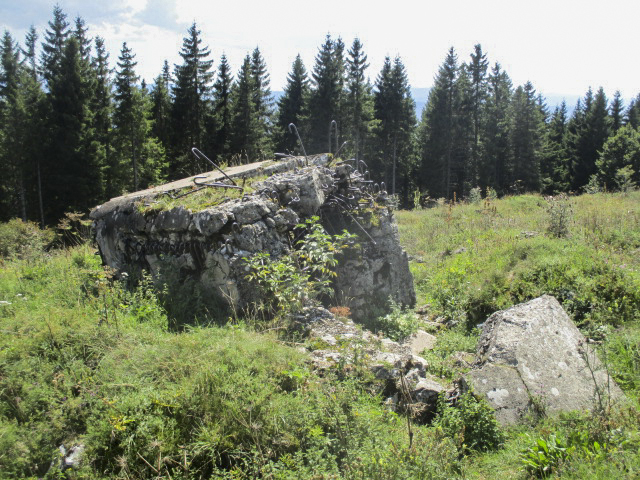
(83, 359)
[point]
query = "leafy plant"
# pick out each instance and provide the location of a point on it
(546, 455)
(470, 422)
(292, 281)
(475, 195)
(397, 324)
(559, 210)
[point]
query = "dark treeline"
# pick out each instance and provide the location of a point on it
(77, 128)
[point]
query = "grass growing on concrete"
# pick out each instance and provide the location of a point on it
(200, 199)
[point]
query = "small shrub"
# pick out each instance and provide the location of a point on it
(20, 239)
(475, 195)
(294, 280)
(397, 324)
(624, 179)
(593, 186)
(491, 194)
(546, 456)
(559, 210)
(470, 422)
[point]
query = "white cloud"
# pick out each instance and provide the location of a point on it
(562, 46)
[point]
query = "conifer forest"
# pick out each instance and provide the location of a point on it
(78, 126)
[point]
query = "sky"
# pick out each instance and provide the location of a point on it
(561, 46)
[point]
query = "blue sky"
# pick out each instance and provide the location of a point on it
(562, 46)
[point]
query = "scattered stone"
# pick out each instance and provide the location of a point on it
(533, 353)
(420, 341)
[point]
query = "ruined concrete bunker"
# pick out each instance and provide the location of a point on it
(177, 232)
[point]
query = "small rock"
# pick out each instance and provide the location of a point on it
(420, 341)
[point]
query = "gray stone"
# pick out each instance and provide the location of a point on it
(420, 341)
(533, 353)
(174, 220)
(209, 221)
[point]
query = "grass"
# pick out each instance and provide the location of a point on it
(83, 359)
(200, 199)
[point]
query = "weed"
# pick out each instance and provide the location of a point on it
(297, 279)
(398, 324)
(546, 456)
(470, 423)
(559, 210)
(475, 195)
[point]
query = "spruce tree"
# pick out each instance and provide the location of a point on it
(496, 154)
(293, 107)
(13, 196)
(632, 115)
(395, 113)
(53, 45)
(619, 151)
(246, 129)
(161, 107)
(437, 131)
(222, 111)
(140, 158)
(35, 108)
(617, 112)
(191, 101)
(74, 173)
(80, 33)
(526, 140)
(590, 130)
(263, 102)
(358, 102)
(325, 102)
(477, 69)
(102, 107)
(554, 161)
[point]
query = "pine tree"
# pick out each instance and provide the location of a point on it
(395, 112)
(358, 102)
(53, 45)
(496, 154)
(263, 99)
(222, 111)
(74, 173)
(161, 107)
(191, 98)
(554, 162)
(293, 107)
(245, 119)
(325, 102)
(478, 96)
(617, 110)
(437, 130)
(526, 140)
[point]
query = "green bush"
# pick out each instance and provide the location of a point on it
(397, 324)
(297, 279)
(20, 239)
(470, 423)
